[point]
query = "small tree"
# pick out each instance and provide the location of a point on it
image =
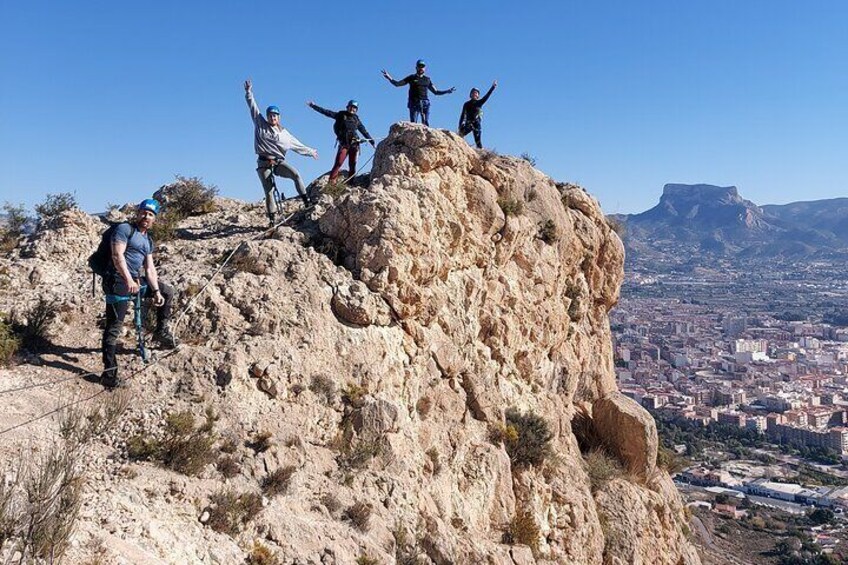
(55, 204)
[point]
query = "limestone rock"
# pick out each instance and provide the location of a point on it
(629, 430)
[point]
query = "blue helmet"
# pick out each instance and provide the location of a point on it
(420, 63)
(272, 110)
(353, 103)
(150, 204)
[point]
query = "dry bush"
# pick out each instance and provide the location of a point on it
(323, 386)
(9, 343)
(365, 559)
(278, 481)
(548, 232)
(261, 554)
(189, 196)
(407, 549)
(165, 227)
(526, 437)
(523, 530)
(228, 466)
(261, 442)
(529, 158)
(354, 395)
(39, 508)
(357, 453)
(185, 447)
(359, 515)
(331, 503)
(670, 460)
(433, 456)
(511, 206)
(33, 326)
(229, 445)
(80, 423)
(231, 510)
(423, 406)
(601, 468)
(55, 204)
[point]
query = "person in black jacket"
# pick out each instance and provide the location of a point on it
(470, 120)
(346, 126)
(419, 84)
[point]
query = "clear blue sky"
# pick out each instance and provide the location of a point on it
(111, 99)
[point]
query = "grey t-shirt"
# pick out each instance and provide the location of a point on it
(139, 247)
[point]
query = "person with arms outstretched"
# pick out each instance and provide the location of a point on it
(271, 141)
(471, 118)
(419, 84)
(346, 126)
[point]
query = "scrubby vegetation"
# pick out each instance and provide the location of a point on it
(187, 196)
(511, 206)
(529, 158)
(9, 342)
(523, 530)
(230, 510)
(601, 468)
(185, 446)
(261, 554)
(55, 204)
(15, 226)
(548, 232)
(278, 481)
(261, 442)
(359, 515)
(526, 437)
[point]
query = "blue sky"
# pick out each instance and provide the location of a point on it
(112, 99)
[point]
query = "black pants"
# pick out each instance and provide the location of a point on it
(477, 127)
(115, 314)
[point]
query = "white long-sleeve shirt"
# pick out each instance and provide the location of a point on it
(273, 141)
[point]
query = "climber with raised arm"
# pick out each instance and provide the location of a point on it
(346, 126)
(271, 141)
(471, 118)
(419, 84)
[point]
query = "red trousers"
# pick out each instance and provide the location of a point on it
(351, 153)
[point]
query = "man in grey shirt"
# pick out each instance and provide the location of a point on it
(271, 141)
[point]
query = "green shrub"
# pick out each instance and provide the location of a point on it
(527, 438)
(231, 511)
(334, 189)
(55, 204)
(548, 232)
(511, 206)
(9, 342)
(15, 225)
(165, 227)
(278, 481)
(523, 530)
(185, 447)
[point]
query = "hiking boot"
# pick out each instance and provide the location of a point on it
(272, 220)
(110, 380)
(165, 338)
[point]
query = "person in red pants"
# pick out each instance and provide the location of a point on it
(347, 127)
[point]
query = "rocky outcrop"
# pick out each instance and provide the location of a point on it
(380, 340)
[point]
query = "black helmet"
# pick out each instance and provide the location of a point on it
(473, 90)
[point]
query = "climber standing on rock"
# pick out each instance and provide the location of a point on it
(471, 118)
(346, 126)
(271, 141)
(419, 84)
(129, 271)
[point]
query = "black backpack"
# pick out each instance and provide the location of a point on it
(101, 259)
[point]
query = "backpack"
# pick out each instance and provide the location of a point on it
(101, 259)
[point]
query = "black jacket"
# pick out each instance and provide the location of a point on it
(418, 86)
(345, 126)
(471, 110)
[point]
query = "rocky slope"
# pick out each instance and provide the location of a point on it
(379, 339)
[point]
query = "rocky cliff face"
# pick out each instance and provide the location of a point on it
(380, 339)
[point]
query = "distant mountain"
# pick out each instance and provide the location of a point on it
(715, 221)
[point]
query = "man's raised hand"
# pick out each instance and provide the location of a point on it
(247, 85)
